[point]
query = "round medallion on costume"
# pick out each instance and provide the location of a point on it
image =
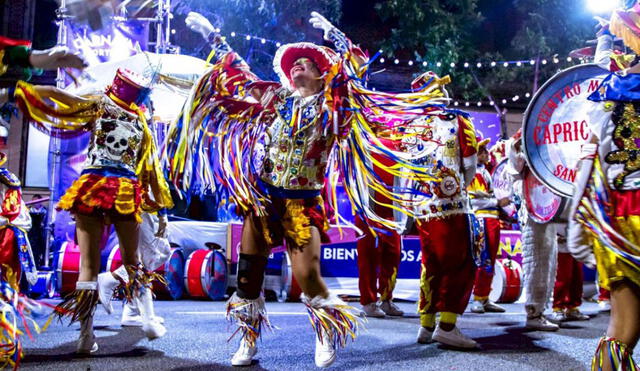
(449, 184)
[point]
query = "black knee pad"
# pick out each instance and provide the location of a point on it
(250, 275)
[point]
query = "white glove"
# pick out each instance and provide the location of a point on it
(198, 23)
(162, 226)
(56, 57)
(320, 22)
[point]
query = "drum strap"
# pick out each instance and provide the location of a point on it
(250, 275)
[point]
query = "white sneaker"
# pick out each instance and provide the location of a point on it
(372, 310)
(325, 351)
(391, 309)
(425, 336)
(453, 338)
(244, 355)
(540, 323)
(605, 305)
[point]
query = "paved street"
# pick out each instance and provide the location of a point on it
(197, 340)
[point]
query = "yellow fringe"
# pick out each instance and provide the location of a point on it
(619, 28)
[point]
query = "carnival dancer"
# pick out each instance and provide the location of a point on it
(15, 222)
(539, 246)
(446, 143)
(121, 177)
(606, 200)
(485, 206)
(567, 292)
(379, 256)
(320, 103)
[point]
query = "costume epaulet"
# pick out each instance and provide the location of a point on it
(10, 179)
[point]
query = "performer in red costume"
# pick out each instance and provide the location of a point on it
(567, 292)
(379, 256)
(448, 142)
(485, 207)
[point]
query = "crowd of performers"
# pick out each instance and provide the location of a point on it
(278, 149)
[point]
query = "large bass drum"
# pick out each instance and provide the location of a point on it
(556, 125)
(506, 286)
(205, 274)
(67, 263)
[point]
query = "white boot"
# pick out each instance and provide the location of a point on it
(343, 324)
(250, 315)
(244, 355)
(325, 350)
(107, 283)
(131, 315)
(151, 328)
(87, 339)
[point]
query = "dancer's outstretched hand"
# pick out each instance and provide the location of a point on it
(57, 57)
(320, 22)
(198, 23)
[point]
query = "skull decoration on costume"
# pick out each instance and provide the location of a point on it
(116, 142)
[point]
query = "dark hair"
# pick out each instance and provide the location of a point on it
(37, 196)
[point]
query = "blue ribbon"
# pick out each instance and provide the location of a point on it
(24, 255)
(618, 88)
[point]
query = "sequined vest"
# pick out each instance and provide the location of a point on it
(297, 144)
(437, 139)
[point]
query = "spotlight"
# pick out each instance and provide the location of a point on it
(602, 7)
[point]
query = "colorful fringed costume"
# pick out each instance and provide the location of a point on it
(270, 149)
(15, 222)
(18, 315)
(121, 170)
(447, 144)
(606, 203)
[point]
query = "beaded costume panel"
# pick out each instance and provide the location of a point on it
(116, 140)
(438, 138)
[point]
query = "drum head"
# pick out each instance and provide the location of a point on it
(542, 204)
(215, 280)
(556, 125)
(502, 186)
(498, 284)
(173, 273)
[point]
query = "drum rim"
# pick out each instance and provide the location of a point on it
(527, 114)
(203, 273)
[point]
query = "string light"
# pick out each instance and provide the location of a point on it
(382, 60)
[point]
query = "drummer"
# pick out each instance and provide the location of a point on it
(539, 247)
(485, 207)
